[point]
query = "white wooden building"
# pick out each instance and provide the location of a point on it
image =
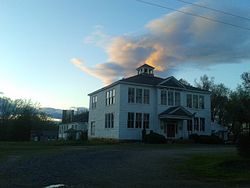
(122, 109)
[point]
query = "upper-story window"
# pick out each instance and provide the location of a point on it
(201, 102)
(177, 98)
(170, 98)
(131, 95)
(146, 96)
(110, 97)
(93, 102)
(164, 97)
(189, 101)
(138, 95)
(195, 101)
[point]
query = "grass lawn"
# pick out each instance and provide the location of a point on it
(27, 148)
(228, 167)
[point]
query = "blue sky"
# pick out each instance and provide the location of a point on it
(56, 52)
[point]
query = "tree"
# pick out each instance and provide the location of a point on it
(205, 83)
(238, 107)
(19, 117)
(184, 82)
(219, 97)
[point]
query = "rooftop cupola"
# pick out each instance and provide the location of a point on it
(145, 69)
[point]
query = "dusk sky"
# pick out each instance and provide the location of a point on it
(55, 52)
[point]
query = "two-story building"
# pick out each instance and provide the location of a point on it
(122, 109)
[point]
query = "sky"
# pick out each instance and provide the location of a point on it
(55, 52)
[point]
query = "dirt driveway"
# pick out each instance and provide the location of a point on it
(111, 166)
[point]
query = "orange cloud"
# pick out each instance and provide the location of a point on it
(171, 41)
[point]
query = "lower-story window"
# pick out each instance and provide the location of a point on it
(92, 128)
(109, 120)
(138, 120)
(146, 121)
(189, 125)
(196, 124)
(130, 122)
(202, 124)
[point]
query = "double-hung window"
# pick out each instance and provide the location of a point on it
(131, 95)
(138, 95)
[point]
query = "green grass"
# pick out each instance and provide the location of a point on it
(27, 148)
(224, 167)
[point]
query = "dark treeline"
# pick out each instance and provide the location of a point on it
(19, 117)
(230, 108)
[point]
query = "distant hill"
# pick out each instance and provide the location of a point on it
(52, 112)
(57, 113)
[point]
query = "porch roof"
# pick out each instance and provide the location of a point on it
(177, 112)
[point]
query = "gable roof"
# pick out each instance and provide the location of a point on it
(146, 66)
(143, 79)
(171, 82)
(177, 112)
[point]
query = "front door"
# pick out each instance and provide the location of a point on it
(171, 128)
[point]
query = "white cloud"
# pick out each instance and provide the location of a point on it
(171, 41)
(98, 37)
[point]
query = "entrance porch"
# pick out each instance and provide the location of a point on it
(172, 121)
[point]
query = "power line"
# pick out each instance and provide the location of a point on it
(193, 14)
(213, 9)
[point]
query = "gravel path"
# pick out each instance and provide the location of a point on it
(91, 167)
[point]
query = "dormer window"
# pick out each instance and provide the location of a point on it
(145, 70)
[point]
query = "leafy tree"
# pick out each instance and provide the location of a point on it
(184, 82)
(219, 97)
(19, 117)
(205, 83)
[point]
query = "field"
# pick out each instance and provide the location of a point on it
(110, 164)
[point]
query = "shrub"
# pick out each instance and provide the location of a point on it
(243, 146)
(205, 139)
(154, 138)
(194, 137)
(84, 136)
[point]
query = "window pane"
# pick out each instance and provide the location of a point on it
(130, 122)
(92, 128)
(202, 124)
(189, 125)
(106, 120)
(201, 102)
(189, 101)
(131, 95)
(146, 96)
(196, 124)
(177, 99)
(112, 120)
(170, 98)
(195, 101)
(138, 95)
(138, 120)
(146, 121)
(163, 97)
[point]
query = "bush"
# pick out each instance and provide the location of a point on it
(154, 138)
(205, 139)
(84, 136)
(243, 146)
(194, 137)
